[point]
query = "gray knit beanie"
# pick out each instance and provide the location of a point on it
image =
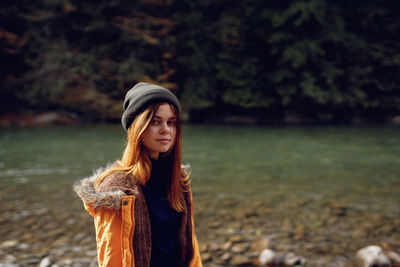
(143, 95)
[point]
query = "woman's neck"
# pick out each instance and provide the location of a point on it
(154, 155)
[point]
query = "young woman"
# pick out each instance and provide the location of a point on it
(142, 204)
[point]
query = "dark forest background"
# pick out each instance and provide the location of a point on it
(273, 61)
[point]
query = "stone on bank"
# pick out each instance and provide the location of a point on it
(372, 256)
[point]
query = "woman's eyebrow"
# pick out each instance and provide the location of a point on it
(158, 117)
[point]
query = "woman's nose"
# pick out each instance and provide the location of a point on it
(164, 128)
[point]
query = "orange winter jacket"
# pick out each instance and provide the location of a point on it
(123, 237)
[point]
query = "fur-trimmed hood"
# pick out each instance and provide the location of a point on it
(109, 192)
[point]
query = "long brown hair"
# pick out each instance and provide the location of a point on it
(136, 162)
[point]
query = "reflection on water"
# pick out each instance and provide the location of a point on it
(320, 192)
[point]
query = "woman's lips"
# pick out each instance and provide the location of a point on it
(163, 141)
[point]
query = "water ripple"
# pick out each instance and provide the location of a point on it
(27, 172)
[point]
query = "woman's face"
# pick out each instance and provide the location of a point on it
(160, 134)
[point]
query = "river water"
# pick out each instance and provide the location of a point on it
(320, 192)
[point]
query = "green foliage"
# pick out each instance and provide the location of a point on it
(100, 47)
(307, 57)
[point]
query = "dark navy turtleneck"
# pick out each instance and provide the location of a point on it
(164, 221)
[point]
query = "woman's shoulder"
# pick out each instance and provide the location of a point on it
(109, 191)
(117, 180)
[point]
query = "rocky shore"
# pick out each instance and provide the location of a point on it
(58, 232)
(253, 233)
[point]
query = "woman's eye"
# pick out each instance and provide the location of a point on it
(155, 122)
(171, 123)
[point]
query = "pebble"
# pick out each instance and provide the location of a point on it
(23, 246)
(267, 257)
(91, 253)
(225, 257)
(263, 243)
(205, 257)
(393, 256)
(45, 262)
(372, 256)
(9, 258)
(203, 246)
(236, 238)
(213, 246)
(291, 259)
(215, 224)
(31, 261)
(226, 246)
(65, 262)
(9, 244)
(239, 248)
(79, 237)
(239, 260)
(61, 241)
